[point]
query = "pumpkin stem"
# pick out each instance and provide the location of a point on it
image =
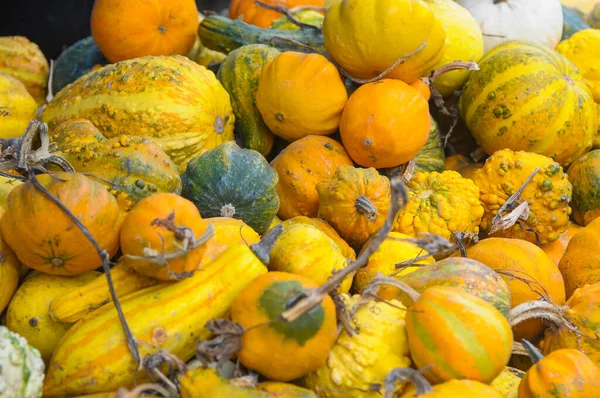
(422, 386)
(456, 65)
(262, 249)
(537, 309)
(228, 210)
(365, 207)
(373, 288)
(534, 353)
(288, 14)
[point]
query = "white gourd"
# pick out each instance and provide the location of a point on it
(22, 368)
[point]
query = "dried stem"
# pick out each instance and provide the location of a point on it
(378, 281)
(534, 353)
(539, 310)
(422, 386)
(342, 314)
(135, 393)
(277, 40)
(288, 14)
(311, 298)
(50, 95)
(313, 8)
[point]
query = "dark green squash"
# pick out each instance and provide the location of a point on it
(229, 181)
(225, 35)
(76, 61)
(584, 175)
(573, 22)
(431, 156)
(239, 73)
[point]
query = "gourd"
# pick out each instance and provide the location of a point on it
(464, 42)
(210, 59)
(451, 389)
(303, 249)
(528, 271)
(385, 124)
(252, 13)
(548, 194)
(537, 21)
(10, 269)
(130, 167)
(306, 16)
(129, 29)
(301, 166)
(155, 97)
(77, 60)
(355, 202)
(395, 250)
(573, 22)
(206, 382)
(170, 317)
(59, 247)
(24, 60)
(506, 104)
(480, 336)
(580, 265)
(22, 367)
(301, 94)
(284, 390)
(279, 350)
(508, 381)
(431, 156)
(229, 181)
(581, 50)
(440, 203)
(7, 184)
(357, 362)
(225, 35)
(557, 249)
(28, 312)
(239, 74)
(583, 175)
(365, 47)
(17, 107)
(228, 232)
(593, 18)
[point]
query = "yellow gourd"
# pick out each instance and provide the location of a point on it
(17, 107)
(583, 49)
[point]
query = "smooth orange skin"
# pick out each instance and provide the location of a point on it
(256, 15)
(557, 249)
(524, 260)
(125, 29)
(422, 88)
(228, 232)
(385, 124)
(568, 371)
(137, 234)
(301, 166)
(44, 237)
(455, 389)
(270, 352)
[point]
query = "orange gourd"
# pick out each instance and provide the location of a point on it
(252, 13)
(228, 232)
(125, 29)
(385, 124)
(557, 249)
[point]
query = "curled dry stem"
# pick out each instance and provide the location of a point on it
(288, 14)
(152, 363)
(222, 347)
(422, 386)
(538, 309)
(141, 389)
(343, 315)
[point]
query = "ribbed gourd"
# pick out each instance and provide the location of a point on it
(22, 367)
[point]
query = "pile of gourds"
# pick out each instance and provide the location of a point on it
(424, 173)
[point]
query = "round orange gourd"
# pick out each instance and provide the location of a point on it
(254, 14)
(301, 94)
(228, 232)
(125, 29)
(385, 124)
(422, 88)
(301, 166)
(155, 226)
(557, 249)
(9, 272)
(516, 260)
(453, 389)
(44, 237)
(279, 350)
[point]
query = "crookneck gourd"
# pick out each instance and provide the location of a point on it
(130, 167)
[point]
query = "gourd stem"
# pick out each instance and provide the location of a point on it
(262, 249)
(365, 207)
(422, 386)
(386, 280)
(534, 353)
(536, 310)
(288, 14)
(456, 65)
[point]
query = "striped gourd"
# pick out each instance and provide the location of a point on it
(93, 355)
(24, 60)
(530, 98)
(172, 100)
(458, 335)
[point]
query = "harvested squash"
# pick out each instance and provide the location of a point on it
(252, 13)
(279, 350)
(305, 16)
(10, 269)
(155, 97)
(58, 247)
(22, 367)
(228, 232)
(355, 202)
(207, 382)
(284, 390)
(508, 381)
(7, 184)
(557, 249)
(582, 50)
(17, 107)
(301, 94)
(584, 175)
(451, 389)
(301, 166)
(431, 156)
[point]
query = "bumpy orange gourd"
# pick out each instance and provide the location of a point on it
(557, 249)
(518, 261)
(154, 227)
(548, 194)
(301, 94)
(440, 203)
(282, 351)
(46, 239)
(301, 166)
(252, 13)
(355, 202)
(385, 124)
(125, 29)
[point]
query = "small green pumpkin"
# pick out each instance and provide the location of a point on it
(22, 368)
(573, 22)
(229, 181)
(239, 74)
(431, 156)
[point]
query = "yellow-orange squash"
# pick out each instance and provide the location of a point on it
(301, 166)
(284, 390)
(25, 61)
(385, 124)
(557, 249)
(355, 202)
(301, 94)
(279, 350)
(440, 203)
(9, 272)
(582, 50)
(206, 382)
(228, 232)
(548, 194)
(160, 225)
(17, 107)
(155, 97)
(508, 381)
(454, 389)
(125, 29)
(367, 37)
(46, 239)
(252, 13)
(528, 271)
